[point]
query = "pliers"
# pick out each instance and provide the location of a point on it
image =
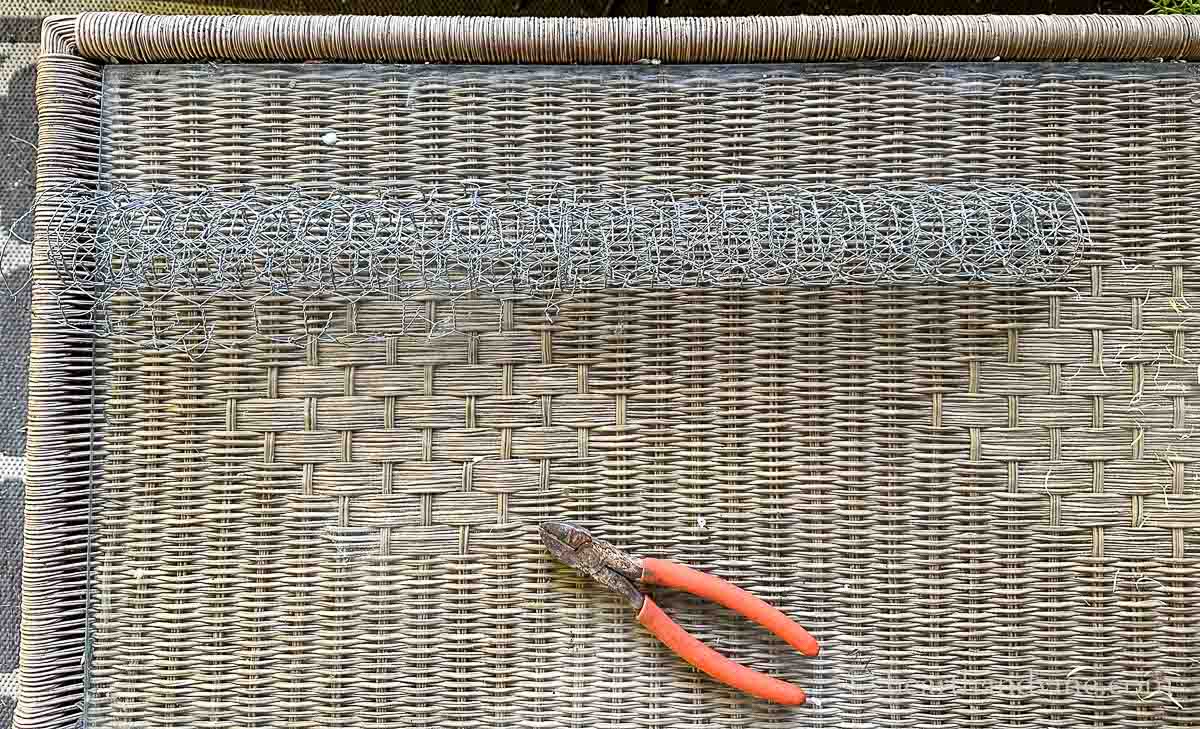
(624, 575)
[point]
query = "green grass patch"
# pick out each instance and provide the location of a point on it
(1176, 7)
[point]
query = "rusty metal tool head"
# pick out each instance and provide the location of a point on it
(575, 547)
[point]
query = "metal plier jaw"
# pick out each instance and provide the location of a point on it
(595, 558)
(626, 576)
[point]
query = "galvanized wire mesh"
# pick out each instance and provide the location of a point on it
(149, 247)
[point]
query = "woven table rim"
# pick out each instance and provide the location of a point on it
(135, 37)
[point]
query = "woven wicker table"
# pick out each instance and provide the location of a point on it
(984, 500)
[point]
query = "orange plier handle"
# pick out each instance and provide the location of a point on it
(625, 575)
(690, 649)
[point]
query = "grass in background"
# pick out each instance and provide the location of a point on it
(1176, 6)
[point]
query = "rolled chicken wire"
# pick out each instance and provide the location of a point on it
(125, 244)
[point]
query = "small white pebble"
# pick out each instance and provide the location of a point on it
(329, 138)
(702, 522)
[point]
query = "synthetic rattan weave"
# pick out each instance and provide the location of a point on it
(983, 501)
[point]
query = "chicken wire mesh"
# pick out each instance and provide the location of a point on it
(123, 253)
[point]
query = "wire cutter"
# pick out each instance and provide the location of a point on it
(624, 575)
